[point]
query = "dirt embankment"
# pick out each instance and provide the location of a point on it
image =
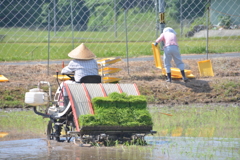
(224, 87)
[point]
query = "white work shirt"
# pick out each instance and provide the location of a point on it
(81, 68)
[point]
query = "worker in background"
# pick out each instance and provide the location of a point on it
(83, 64)
(171, 50)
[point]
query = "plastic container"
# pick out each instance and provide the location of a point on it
(205, 68)
(35, 97)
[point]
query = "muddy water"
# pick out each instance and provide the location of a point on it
(43, 149)
(158, 148)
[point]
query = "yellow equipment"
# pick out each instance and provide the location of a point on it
(108, 61)
(110, 80)
(105, 71)
(205, 68)
(175, 72)
(3, 78)
(62, 77)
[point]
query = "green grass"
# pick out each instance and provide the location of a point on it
(198, 121)
(12, 98)
(27, 45)
(22, 123)
(188, 121)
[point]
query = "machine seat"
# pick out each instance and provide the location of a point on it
(91, 79)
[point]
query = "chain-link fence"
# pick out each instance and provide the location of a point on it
(33, 30)
(41, 29)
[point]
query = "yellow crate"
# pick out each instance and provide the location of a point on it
(3, 79)
(108, 61)
(176, 73)
(157, 58)
(205, 68)
(107, 70)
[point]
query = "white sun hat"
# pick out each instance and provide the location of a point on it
(169, 29)
(82, 53)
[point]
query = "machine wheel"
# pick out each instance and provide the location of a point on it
(50, 131)
(78, 141)
(69, 128)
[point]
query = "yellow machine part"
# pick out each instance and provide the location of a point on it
(110, 79)
(107, 70)
(175, 72)
(205, 68)
(108, 61)
(157, 58)
(3, 79)
(62, 77)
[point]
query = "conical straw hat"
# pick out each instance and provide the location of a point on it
(81, 52)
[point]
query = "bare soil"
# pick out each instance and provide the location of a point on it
(224, 87)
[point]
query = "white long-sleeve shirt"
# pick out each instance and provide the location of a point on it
(81, 68)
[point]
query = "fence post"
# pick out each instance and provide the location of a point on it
(115, 18)
(181, 23)
(72, 25)
(208, 5)
(157, 26)
(126, 31)
(48, 38)
(161, 18)
(54, 15)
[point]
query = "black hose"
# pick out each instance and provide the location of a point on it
(41, 114)
(46, 115)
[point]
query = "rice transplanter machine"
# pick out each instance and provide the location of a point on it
(63, 119)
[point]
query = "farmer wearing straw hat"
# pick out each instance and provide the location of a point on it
(83, 63)
(171, 50)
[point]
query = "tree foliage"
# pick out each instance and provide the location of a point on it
(87, 13)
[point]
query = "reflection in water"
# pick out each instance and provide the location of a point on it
(71, 151)
(196, 147)
(189, 132)
(165, 148)
(22, 149)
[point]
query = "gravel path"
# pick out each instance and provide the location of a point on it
(218, 33)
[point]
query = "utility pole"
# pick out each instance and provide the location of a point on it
(161, 17)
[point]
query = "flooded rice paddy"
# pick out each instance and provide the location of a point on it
(165, 148)
(193, 132)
